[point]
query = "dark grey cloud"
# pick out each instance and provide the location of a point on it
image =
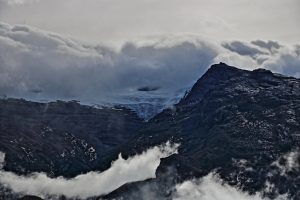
(270, 45)
(242, 48)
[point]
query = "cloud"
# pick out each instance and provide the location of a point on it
(270, 55)
(231, 19)
(270, 45)
(60, 67)
(286, 62)
(18, 2)
(242, 48)
(41, 65)
(136, 168)
(211, 187)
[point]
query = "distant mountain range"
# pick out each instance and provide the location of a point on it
(240, 124)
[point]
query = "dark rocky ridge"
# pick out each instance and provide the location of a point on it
(61, 138)
(234, 121)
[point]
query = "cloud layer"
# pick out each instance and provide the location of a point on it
(136, 168)
(211, 187)
(39, 65)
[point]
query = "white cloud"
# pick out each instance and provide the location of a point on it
(39, 65)
(211, 187)
(136, 168)
(287, 62)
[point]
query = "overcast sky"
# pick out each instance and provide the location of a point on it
(122, 20)
(64, 50)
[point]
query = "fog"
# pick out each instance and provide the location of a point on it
(211, 187)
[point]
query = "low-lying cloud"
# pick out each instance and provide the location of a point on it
(41, 65)
(136, 168)
(211, 187)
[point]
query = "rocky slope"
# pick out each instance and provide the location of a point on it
(60, 138)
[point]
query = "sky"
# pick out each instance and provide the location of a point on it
(115, 21)
(103, 51)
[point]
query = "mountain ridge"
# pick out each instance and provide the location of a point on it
(230, 116)
(243, 115)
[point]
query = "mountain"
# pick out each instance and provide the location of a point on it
(239, 123)
(243, 125)
(61, 138)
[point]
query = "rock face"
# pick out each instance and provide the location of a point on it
(60, 138)
(245, 125)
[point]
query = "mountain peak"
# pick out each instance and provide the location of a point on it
(221, 71)
(220, 74)
(215, 74)
(222, 66)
